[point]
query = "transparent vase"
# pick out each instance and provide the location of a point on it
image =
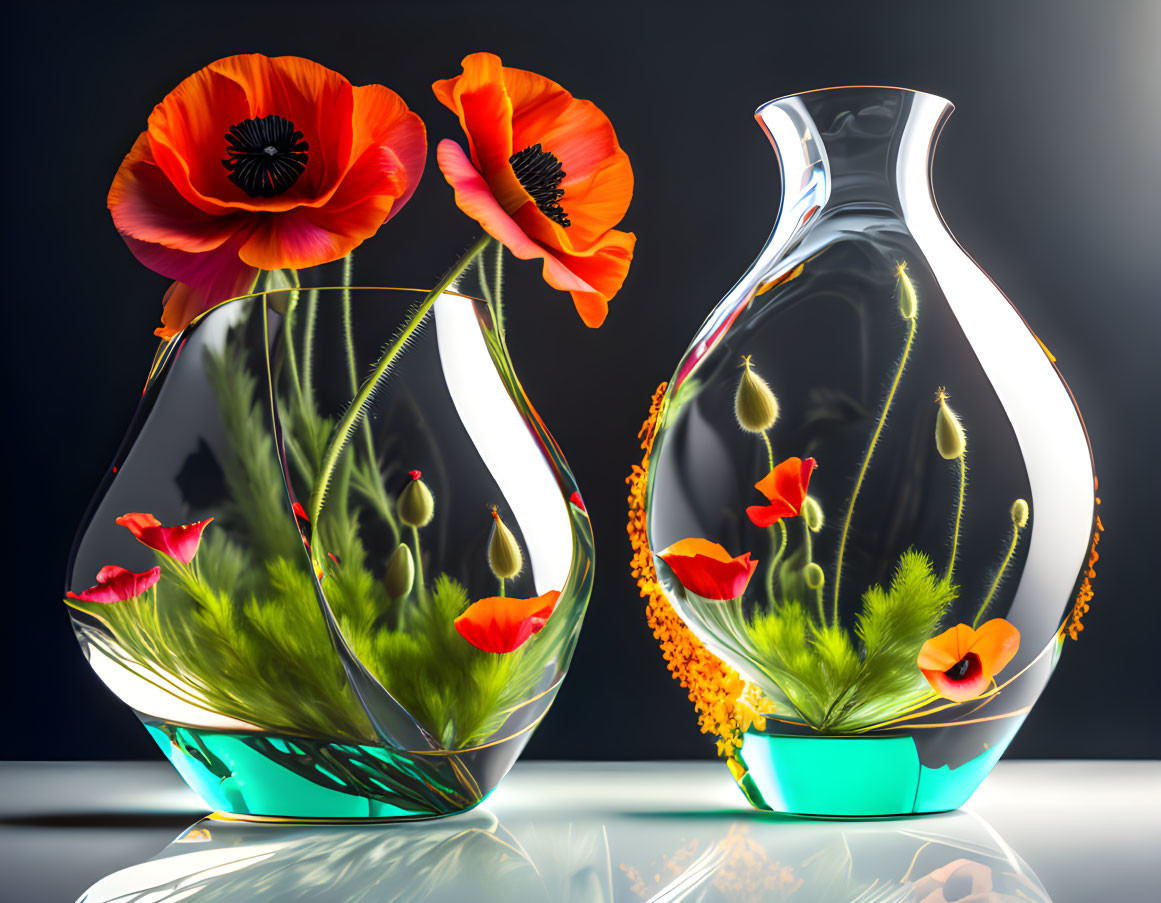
(870, 491)
(318, 616)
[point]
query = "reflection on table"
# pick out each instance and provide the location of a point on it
(631, 857)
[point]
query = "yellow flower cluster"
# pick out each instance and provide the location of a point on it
(1072, 623)
(727, 705)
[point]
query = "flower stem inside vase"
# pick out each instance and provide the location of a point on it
(359, 403)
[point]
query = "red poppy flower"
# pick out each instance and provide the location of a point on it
(785, 486)
(116, 584)
(179, 543)
(261, 163)
(500, 624)
(707, 569)
(546, 177)
(961, 662)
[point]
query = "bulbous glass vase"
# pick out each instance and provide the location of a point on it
(323, 616)
(870, 492)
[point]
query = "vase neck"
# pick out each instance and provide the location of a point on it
(845, 148)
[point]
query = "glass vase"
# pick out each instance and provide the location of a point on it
(870, 492)
(323, 616)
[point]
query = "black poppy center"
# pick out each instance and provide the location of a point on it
(540, 175)
(965, 669)
(265, 156)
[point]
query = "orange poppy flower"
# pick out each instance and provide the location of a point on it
(259, 163)
(961, 662)
(117, 584)
(501, 624)
(180, 543)
(546, 177)
(707, 569)
(785, 486)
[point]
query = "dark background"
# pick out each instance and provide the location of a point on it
(1047, 173)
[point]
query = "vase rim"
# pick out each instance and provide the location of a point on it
(950, 104)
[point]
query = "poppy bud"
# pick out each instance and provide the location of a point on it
(908, 300)
(754, 405)
(1020, 514)
(949, 435)
(504, 555)
(811, 512)
(400, 573)
(813, 576)
(415, 504)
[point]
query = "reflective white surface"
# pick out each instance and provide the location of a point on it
(130, 832)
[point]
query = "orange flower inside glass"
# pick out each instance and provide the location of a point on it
(544, 175)
(961, 662)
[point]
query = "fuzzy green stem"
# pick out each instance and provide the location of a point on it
(958, 517)
(821, 607)
(497, 298)
(348, 326)
(769, 449)
(912, 326)
(359, 403)
(778, 537)
(420, 589)
(482, 275)
(999, 576)
(501, 579)
(308, 343)
(291, 354)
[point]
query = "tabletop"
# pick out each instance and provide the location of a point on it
(131, 832)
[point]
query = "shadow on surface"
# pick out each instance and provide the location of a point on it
(176, 820)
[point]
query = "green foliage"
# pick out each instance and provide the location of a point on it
(461, 694)
(834, 686)
(257, 501)
(242, 629)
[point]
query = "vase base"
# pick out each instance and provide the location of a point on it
(262, 778)
(853, 777)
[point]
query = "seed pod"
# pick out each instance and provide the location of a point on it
(504, 555)
(1020, 514)
(415, 505)
(813, 576)
(908, 300)
(400, 573)
(811, 512)
(754, 404)
(950, 439)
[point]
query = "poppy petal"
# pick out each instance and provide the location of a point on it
(382, 120)
(768, 515)
(180, 542)
(145, 205)
(500, 624)
(598, 178)
(479, 99)
(117, 584)
(183, 303)
(475, 198)
(707, 569)
(604, 267)
(197, 113)
(137, 521)
(996, 643)
(308, 238)
(942, 651)
(970, 687)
